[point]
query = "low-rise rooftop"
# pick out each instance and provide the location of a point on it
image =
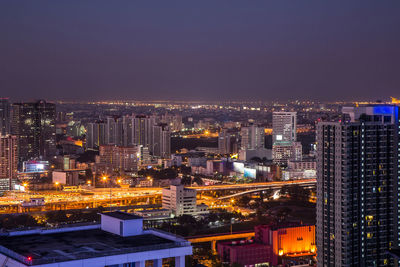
(59, 247)
(122, 215)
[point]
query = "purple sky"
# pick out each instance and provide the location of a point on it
(200, 50)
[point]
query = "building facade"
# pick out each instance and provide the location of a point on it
(181, 200)
(34, 125)
(119, 240)
(5, 116)
(252, 137)
(357, 187)
(284, 127)
(228, 140)
(95, 134)
(8, 157)
(161, 141)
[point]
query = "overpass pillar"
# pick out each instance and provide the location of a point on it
(180, 261)
(214, 246)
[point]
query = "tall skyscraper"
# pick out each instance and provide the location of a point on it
(142, 133)
(284, 136)
(95, 134)
(358, 186)
(161, 141)
(252, 137)
(111, 131)
(5, 116)
(284, 126)
(34, 125)
(8, 157)
(228, 141)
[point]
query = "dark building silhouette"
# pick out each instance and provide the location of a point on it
(34, 125)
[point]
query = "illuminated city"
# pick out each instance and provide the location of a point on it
(212, 134)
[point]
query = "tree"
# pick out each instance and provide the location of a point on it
(197, 179)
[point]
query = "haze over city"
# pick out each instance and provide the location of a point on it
(204, 50)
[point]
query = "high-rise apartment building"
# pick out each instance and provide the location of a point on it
(95, 134)
(5, 116)
(117, 158)
(228, 141)
(173, 121)
(34, 125)
(143, 131)
(8, 157)
(284, 126)
(161, 141)
(358, 186)
(252, 137)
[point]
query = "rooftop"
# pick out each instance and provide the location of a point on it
(122, 215)
(38, 249)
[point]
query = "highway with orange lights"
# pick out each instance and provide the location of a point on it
(95, 197)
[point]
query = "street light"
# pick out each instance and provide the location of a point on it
(89, 182)
(105, 180)
(57, 183)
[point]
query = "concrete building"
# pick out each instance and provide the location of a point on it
(8, 156)
(270, 246)
(5, 116)
(182, 201)
(142, 133)
(34, 125)
(120, 158)
(252, 137)
(161, 141)
(283, 152)
(357, 187)
(118, 241)
(284, 126)
(228, 141)
(70, 177)
(95, 134)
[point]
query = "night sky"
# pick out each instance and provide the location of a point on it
(200, 50)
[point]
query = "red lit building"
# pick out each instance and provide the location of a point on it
(270, 245)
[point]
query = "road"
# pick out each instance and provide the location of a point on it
(118, 196)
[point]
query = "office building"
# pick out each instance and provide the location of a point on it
(8, 157)
(34, 125)
(161, 141)
(95, 134)
(282, 152)
(181, 200)
(118, 241)
(358, 187)
(5, 116)
(284, 127)
(252, 137)
(228, 140)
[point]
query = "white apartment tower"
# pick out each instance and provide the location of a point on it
(284, 127)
